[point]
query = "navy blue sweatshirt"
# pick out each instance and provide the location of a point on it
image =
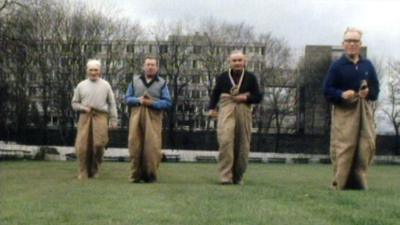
(224, 85)
(344, 75)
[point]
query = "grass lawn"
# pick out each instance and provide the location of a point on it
(188, 193)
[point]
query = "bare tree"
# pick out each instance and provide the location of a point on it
(216, 50)
(86, 33)
(44, 13)
(392, 106)
(45, 48)
(4, 4)
(381, 66)
(16, 29)
(173, 47)
(278, 81)
(121, 62)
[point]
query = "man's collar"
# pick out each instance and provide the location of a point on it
(94, 81)
(156, 78)
(146, 83)
(347, 59)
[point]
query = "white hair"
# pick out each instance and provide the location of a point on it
(93, 63)
(352, 29)
(234, 52)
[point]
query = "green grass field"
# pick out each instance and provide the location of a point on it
(188, 193)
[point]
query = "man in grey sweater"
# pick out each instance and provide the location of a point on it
(95, 101)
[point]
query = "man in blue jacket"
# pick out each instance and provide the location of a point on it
(147, 97)
(351, 85)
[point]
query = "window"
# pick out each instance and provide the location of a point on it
(179, 108)
(263, 50)
(33, 91)
(65, 48)
(202, 123)
(218, 50)
(54, 120)
(117, 47)
(163, 49)
(195, 94)
(163, 62)
(197, 49)
(258, 65)
(195, 79)
(46, 47)
(97, 47)
(205, 108)
(130, 48)
(107, 48)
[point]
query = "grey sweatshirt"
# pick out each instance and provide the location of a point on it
(97, 95)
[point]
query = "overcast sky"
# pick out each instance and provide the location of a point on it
(300, 22)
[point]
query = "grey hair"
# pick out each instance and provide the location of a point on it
(352, 29)
(236, 51)
(93, 63)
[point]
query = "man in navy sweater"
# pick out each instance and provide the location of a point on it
(351, 85)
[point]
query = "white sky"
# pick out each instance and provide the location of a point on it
(300, 22)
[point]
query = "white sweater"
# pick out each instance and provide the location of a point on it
(97, 95)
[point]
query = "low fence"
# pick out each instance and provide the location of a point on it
(13, 151)
(203, 141)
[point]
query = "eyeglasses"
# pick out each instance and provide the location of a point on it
(355, 41)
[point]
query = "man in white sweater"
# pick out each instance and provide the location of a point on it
(95, 101)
